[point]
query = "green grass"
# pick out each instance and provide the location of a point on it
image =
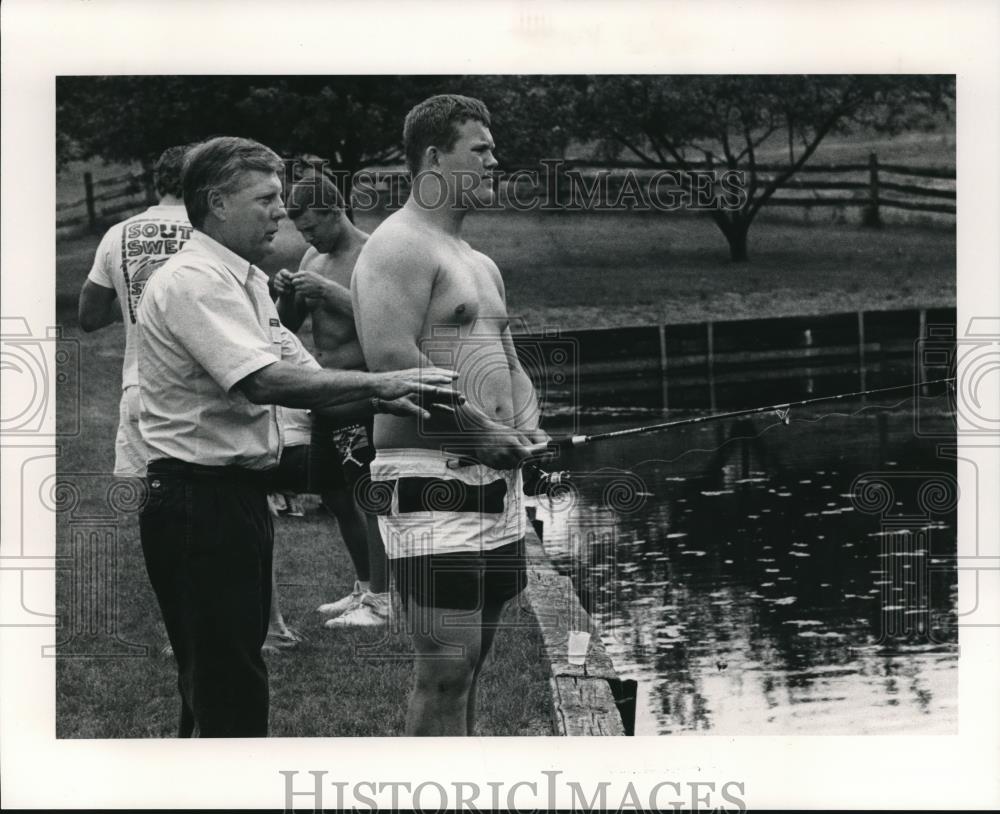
(591, 271)
(327, 687)
(615, 269)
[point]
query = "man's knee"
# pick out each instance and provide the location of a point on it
(446, 651)
(445, 676)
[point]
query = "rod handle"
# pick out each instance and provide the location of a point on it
(566, 443)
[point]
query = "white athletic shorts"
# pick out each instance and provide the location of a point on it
(437, 510)
(130, 449)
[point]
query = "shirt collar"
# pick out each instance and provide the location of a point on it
(167, 207)
(241, 268)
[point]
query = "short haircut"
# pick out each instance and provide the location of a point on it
(167, 171)
(314, 191)
(220, 163)
(435, 122)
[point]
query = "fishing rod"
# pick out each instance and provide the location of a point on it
(541, 480)
(782, 410)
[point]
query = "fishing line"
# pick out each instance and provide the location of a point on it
(537, 481)
(782, 409)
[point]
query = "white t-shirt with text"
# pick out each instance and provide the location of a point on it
(126, 258)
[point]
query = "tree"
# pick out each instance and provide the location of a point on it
(680, 121)
(531, 115)
(350, 121)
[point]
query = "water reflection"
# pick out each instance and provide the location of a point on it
(766, 579)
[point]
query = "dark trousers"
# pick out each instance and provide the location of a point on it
(207, 539)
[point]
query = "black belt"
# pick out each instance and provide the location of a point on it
(234, 474)
(438, 494)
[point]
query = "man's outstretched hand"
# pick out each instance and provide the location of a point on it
(415, 391)
(406, 407)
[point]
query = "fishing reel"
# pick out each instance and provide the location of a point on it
(537, 482)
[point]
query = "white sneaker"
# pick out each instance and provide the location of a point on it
(295, 507)
(349, 602)
(276, 503)
(372, 612)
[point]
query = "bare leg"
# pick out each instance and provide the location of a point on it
(378, 563)
(340, 503)
(276, 622)
(446, 659)
(279, 635)
(491, 615)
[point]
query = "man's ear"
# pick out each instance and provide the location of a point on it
(432, 157)
(217, 203)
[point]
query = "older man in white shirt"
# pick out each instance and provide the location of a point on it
(213, 364)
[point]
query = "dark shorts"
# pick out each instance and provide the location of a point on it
(335, 459)
(464, 580)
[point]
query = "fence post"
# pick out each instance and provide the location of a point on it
(147, 181)
(922, 368)
(88, 183)
(872, 217)
(861, 351)
(710, 355)
(663, 364)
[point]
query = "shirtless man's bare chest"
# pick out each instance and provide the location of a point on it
(332, 323)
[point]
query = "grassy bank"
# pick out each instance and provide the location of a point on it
(339, 683)
(620, 270)
(593, 270)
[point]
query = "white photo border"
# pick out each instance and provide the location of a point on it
(42, 40)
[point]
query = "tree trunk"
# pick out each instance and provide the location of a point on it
(737, 235)
(148, 183)
(735, 227)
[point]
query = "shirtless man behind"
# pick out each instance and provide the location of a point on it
(454, 529)
(321, 288)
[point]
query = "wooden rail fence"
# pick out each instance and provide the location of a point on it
(107, 199)
(874, 186)
(871, 181)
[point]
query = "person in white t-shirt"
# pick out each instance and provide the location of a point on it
(127, 256)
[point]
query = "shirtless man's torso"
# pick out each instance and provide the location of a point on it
(321, 288)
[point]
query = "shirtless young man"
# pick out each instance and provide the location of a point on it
(320, 288)
(454, 530)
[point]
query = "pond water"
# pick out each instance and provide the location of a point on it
(757, 577)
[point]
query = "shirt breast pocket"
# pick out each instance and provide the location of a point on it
(276, 338)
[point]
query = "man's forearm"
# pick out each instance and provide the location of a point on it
(98, 307)
(290, 386)
(95, 321)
